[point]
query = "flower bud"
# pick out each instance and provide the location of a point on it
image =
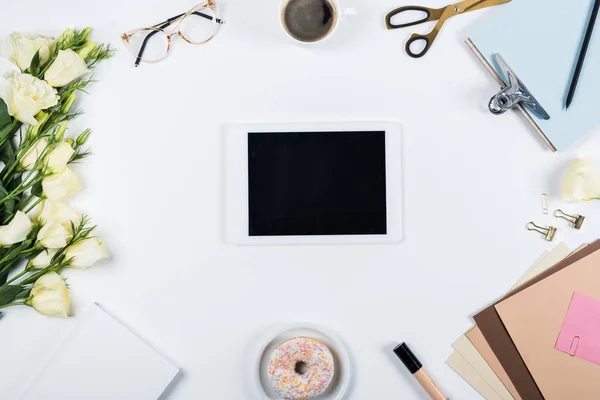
(95, 52)
(60, 134)
(30, 159)
(55, 235)
(62, 185)
(87, 48)
(59, 157)
(71, 142)
(16, 231)
(81, 139)
(66, 68)
(40, 117)
(86, 33)
(64, 40)
(50, 296)
(86, 253)
(66, 107)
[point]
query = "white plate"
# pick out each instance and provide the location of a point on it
(338, 389)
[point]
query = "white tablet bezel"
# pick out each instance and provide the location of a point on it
(236, 182)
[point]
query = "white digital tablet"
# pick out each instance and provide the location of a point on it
(321, 183)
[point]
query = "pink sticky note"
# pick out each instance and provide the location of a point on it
(580, 334)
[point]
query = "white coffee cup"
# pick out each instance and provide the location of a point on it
(292, 28)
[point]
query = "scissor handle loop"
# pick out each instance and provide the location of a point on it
(393, 13)
(416, 38)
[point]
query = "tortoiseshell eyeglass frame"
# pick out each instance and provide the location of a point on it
(160, 27)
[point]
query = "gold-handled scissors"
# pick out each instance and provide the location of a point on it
(433, 14)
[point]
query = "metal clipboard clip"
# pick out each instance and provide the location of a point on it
(514, 93)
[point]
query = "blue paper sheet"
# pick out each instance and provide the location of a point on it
(540, 40)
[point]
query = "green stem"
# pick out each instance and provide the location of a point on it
(7, 257)
(38, 201)
(31, 279)
(21, 303)
(25, 201)
(8, 266)
(11, 257)
(22, 188)
(17, 277)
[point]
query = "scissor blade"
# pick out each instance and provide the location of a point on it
(479, 4)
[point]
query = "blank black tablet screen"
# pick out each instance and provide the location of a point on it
(317, 183)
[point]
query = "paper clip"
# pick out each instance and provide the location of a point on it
(575, 220)
(545, 203)
(548, 232)
(574, 345)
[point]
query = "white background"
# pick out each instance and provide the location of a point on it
(154, 186)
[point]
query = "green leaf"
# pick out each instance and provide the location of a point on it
(5, 118)
(34, 68)
(9, 129)
(37, 189)
(14, 183)
(23, 294)
(3, 277)
(8, 294)
(3, 192)
(8, 206)
(7, 153)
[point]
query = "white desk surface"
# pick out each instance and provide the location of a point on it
(471, 183)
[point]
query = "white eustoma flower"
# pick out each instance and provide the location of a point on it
(55, 234)
(86, 253)
(62, 185)
(6, 66)
(33, 154)
(26, 95)
(58, 158)
(16, 231)
(50, 296)
(20, 48)
(582, 182)
(55, 210)
(43, 259)
(67, 67)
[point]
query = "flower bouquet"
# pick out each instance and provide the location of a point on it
(40, 235)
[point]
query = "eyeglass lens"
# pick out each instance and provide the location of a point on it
(199, 26)
(153, 44)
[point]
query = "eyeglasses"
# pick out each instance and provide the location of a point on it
(197, 26)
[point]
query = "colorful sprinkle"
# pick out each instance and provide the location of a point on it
(300, 369)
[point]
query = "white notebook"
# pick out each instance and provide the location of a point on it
(101, 359)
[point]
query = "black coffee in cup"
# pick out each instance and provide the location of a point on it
(309, 20)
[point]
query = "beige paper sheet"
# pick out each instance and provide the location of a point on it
(472, 356)
(480, 356)
(468, 373)
(476, 338)
(534, 318)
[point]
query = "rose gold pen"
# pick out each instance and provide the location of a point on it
(415, 367)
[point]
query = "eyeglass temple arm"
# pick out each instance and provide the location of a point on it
(163, 25)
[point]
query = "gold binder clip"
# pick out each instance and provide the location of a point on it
(548, 232)
(575, 220)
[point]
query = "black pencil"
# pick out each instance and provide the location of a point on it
(583, 52)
